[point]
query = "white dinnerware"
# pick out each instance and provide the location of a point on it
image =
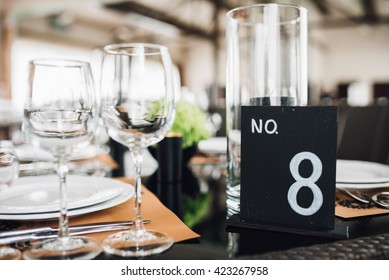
(361, 174)
(29, 152)
(40, 194)
(214, 145)
(9, 165)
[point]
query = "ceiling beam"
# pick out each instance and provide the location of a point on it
(344, 23)
(369, 16)
(369, 6)
(132, 7)
(321, 5)
(344, 11)
(219, 4)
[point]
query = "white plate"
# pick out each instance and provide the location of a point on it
(361, 174)
(215, 145)
(123, 197)
(40, 194)
(28, 152)
(127, 193)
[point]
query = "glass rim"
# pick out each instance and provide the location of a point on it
(231, 12)
(122, 48)
(59, 62)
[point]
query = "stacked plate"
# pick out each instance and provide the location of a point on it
(214, 145)
(28, 152)
(353, 174)
(37, 197)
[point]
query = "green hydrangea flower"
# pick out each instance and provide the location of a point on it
(190, 123)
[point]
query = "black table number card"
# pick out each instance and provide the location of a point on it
(288, 165)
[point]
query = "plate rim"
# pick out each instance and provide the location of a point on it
(49, 179)
(378, 182)
(91, 151)
(365, 163)
(127, 193)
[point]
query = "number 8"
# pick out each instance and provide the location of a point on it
(309, 182)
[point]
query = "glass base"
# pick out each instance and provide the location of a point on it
(8, 253)
(72, 248)
(137, 243)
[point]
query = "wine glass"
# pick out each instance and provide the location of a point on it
(9, 171)
(60, 115)
(138, 110)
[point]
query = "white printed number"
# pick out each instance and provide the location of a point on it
(309, 182)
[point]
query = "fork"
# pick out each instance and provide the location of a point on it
(359, 197)
(374, 198)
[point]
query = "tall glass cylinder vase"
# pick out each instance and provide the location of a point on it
(266, 66)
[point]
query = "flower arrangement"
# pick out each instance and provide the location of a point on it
(189, 122)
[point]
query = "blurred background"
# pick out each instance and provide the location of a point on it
(348, 44)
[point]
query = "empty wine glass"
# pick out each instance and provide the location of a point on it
(9, 170)
(138, 111)
(61, 114)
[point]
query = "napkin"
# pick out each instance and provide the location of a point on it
(162, 219)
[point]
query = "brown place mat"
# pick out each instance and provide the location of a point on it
(347, 207)
(162, 219)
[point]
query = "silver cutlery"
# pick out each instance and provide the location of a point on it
(32, 234)
(382, 197)
(366, 198)
(376, 198)
(359, 198)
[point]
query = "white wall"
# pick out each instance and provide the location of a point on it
(337, 55)
(199, 70)
(359, 54)
(24, 50)
(316, 67)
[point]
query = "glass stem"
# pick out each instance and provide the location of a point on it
(62, 171)
(138, 159)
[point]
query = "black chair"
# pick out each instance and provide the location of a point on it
(363, 133)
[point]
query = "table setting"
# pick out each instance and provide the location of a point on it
(98, 224)
(362, 188)
(278, 167)
(61, 116)
(36, 198)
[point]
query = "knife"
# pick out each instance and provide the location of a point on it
(49, 232)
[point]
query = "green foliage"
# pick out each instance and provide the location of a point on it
(190, 123)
